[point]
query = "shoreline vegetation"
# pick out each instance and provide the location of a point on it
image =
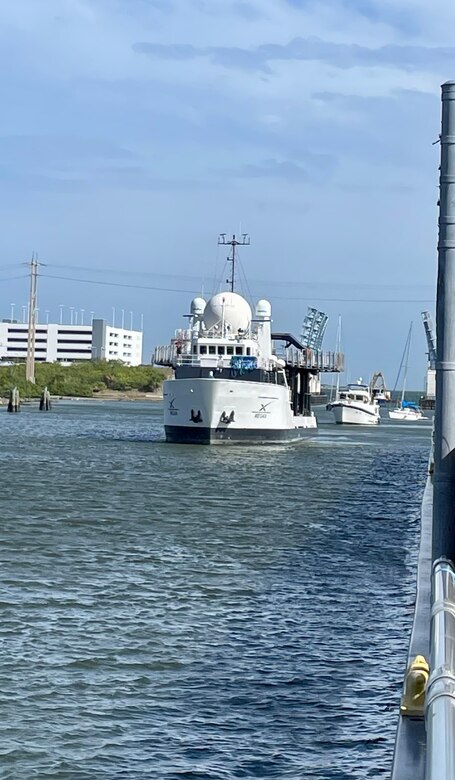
(106, 380)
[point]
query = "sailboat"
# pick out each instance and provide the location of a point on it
(406, 410)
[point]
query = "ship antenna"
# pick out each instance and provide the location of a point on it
(233, 243)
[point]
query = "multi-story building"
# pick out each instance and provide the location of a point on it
(67, 343)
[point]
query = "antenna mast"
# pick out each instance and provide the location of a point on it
(30, 364)
(233, 243)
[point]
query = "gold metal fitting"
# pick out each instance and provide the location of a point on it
(415, 684)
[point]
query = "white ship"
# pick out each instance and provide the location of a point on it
(356, 406)
(229, 384)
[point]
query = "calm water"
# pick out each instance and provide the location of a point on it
(174, 612)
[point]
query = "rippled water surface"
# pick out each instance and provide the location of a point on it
(199, 613)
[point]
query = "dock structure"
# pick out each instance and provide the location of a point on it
(45, 401)
(425, 743)
(14, 401)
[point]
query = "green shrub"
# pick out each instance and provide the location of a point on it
(80, 379)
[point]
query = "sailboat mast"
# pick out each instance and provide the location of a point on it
(338, 349)
(406, 361)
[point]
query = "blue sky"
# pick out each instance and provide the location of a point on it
(134, 131)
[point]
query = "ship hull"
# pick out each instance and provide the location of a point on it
(220, 411)
(405, 414)
(348, 414)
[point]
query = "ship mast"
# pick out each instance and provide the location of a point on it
(233, 243)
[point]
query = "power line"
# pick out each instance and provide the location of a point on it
(274, 282)
(12, 278)
(273, 297)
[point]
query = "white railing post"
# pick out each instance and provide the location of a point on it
(440, 696)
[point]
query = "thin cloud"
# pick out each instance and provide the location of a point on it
(339, 55)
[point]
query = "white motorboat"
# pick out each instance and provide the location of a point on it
(229, 385)
(355, 405)
(379, 390)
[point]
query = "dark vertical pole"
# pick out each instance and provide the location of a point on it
(444, 435)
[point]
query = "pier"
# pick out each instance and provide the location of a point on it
(425, 741)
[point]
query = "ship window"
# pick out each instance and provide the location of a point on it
(221, 350)
(212, 350)
(203, 349)
(359, 398)
(229, 350)
(239, 350)
(194, 349)
(342, 396)
(248, 350)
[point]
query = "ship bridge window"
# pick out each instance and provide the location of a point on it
(343, 396)
(203, 349)
(229, 350)
(239, 350)
(194, 349)
(359, 398)
(221, 350)
(248, 350)
(212, 349)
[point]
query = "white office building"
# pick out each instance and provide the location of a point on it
(67, 343)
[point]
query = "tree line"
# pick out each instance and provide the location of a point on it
(84, 379)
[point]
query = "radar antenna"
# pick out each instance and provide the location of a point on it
(233, 243)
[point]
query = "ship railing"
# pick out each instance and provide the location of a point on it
(164, 355)
(318, 360)
(170, 355)
(440, 694)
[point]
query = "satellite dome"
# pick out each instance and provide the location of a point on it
(197, 307)
(263, 309)
(230, 307)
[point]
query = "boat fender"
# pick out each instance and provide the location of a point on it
(415, 685)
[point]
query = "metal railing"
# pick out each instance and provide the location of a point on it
(313, 359)
(440, 697)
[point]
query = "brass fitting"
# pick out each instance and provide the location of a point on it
(415, 684)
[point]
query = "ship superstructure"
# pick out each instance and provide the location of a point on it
(230, 385)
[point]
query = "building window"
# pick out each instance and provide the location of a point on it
(72, 332)
(60, 350)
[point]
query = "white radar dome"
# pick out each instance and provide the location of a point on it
(197, 307)
(229, 307)
(263, 310)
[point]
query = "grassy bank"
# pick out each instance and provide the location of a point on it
(85, 379)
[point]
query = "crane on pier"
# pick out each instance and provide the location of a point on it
(431, 339)
(313, 328)
(428, 400)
